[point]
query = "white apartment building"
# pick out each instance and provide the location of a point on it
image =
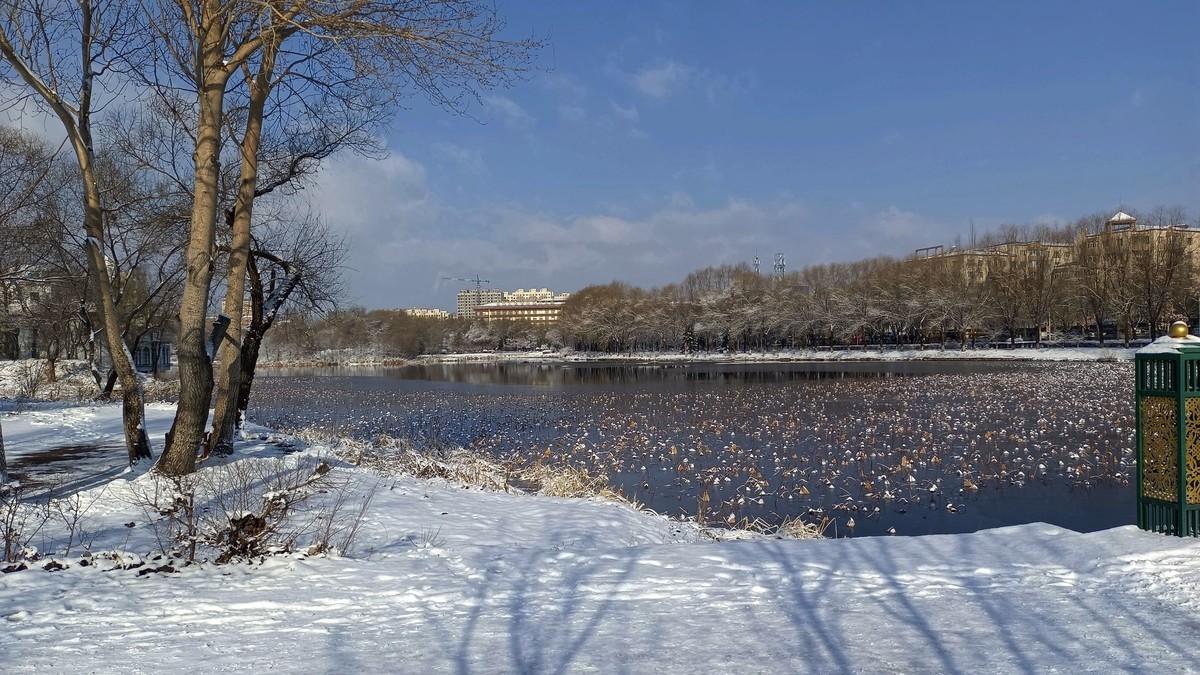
(468, 300)
(427, 313)
(533, 304)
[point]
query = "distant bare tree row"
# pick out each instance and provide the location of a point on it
(374, 335)
(1019, 282)
(1071, 283)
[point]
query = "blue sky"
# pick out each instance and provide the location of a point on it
(663, 137)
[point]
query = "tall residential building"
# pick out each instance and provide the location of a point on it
(468, 300)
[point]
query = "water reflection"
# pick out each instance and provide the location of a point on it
(921, 447)
(602, 374)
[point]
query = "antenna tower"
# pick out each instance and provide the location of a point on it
(780, 265)
(756, 263)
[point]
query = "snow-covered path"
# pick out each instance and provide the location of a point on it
(449, 579)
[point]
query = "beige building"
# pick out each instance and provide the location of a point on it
(1124, 228)
(971, 264)
(539, 305)
(1121, 228)
(537, 311)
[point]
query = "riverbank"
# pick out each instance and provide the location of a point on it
(359, 358)
(441, 576)
(804, 355)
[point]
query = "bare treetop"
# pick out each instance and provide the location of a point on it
(445, 49)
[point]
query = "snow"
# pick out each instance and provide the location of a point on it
(868, 353)
(447, 577)
(1170, 345)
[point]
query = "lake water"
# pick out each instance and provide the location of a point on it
(918, 447)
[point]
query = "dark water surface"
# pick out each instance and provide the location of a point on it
(921, 447)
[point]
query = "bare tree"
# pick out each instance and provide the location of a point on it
(282, 161)
(444, 49)
(1041, 285)
(1093, 274)
(1005, 289)
(826, 299)
(298, 261)
(1162, 263)
(142, 248)
(26, 168)
(58, 52)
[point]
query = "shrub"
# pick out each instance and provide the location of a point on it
(250, 508)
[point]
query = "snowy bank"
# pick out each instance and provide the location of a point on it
(799, 355)
(445, 578)
(350, 358)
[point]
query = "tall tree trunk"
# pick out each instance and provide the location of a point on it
(195, 365)
(225, 416)
(3, 462)
(248, 363)
(262, 318)
(133, 401)
(254, 337)
(77, 124)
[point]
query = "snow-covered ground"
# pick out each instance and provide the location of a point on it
(867, 353)
(446, 578)
(1026, 352)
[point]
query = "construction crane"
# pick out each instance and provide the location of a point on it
(478, 286)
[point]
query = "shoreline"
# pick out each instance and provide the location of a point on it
(1057, 354)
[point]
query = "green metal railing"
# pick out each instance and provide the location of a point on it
(1168, 439)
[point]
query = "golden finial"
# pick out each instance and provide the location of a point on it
(1179, 329)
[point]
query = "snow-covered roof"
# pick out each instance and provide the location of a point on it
(1122, 217)
(1169, 345)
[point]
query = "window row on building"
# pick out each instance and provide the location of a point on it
(541, 305)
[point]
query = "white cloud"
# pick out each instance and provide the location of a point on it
(403, 238)
(893, 223)
(662, 81)
(381, 206)
(468, 159)
(670, 78)
(681, 200)
(512, 112)
(569, 94)
(894, 231)
(566, 86)
(629, 114)
(652, 249)
(23, 113)
(1049, 219)
(708, 171)
(572, 113)
(367, 197)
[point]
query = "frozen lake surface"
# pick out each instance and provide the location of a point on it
(916, 447)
